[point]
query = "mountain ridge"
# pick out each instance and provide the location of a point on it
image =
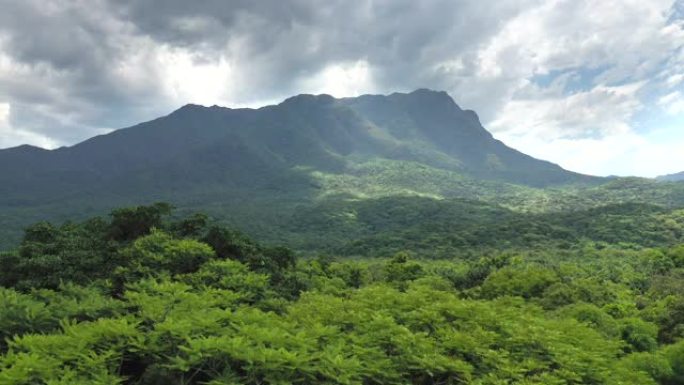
(276, 158)
(676, 177)
(429, 102)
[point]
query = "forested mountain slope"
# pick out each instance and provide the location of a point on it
(260, 169)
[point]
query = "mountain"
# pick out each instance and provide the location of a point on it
(257, 166)
(672, 177)
(430, 128)
(207, 145)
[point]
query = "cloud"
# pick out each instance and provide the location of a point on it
(672, 103)
(569, 70)
(10, 136)
(100, 64)
(616, 154)
(603, 65)
(598, 112)
(65, 66)
(187, 78)
(588, 132)
(341, 80)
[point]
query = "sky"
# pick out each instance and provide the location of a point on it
(596, 86)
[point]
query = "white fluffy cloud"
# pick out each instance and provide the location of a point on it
(605, 63)
(617, 154)
(600, 111)
(672, 103)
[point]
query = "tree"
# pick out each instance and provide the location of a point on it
(133, 222)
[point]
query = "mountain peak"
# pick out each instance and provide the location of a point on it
(426, 96)
(473, 116)
(25, 148)
(428, 91)
(672, 177)
(191, 110)
(303, 99)
(192, 106)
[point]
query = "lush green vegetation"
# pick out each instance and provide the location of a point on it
(146, 297)
(451, 227)
(434, 211)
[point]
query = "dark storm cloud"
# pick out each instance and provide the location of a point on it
(283, 41)
(211, 23)
(71, 60)
(60, 74)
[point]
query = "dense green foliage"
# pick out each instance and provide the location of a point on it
(382, 206)
(443, 228)
(147, 298)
